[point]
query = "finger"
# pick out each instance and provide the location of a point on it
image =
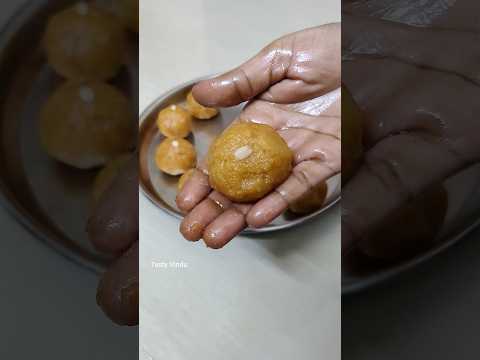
(248, 80)
(117, 292)
(281, 118)
(113, 225)
(305, 176)
(194, 224)
(307, 57)
(225, 227)
(397, 169)
(416, 45)
(428, 106)
(266, 210)
(290, 91)
(194, 191)
(309, 145)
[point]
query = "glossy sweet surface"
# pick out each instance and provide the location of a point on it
(199, 111)
(175, 156)
(86, 124)
(248, 161)
(174, 122)
(85, 43)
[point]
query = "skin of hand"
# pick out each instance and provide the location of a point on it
(113, 229)
(416, 136)
(300, 67)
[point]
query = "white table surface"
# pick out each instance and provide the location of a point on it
(48, 303)
(271, 297)
(430, 312)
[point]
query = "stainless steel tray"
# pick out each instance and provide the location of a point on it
(463, 216)
(50, 199)
(161, 189)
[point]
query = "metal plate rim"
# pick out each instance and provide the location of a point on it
(249, 231)
(385, 275)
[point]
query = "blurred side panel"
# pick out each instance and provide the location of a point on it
(68, 134)
(411, 74)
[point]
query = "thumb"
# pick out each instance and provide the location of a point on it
(396, 170)
(248, 80)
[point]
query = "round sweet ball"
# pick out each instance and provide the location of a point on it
(184, 178)
(86, 124)
(199, 111)
(85, 43)
(247, 161)
(106, 176)
(174, 122)
(175, 156)
(310, 201)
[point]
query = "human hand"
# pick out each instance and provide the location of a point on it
(419, 127)
(301, 67)
(113, 229)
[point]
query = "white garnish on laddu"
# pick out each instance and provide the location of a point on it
(86, 94)
(243, 152)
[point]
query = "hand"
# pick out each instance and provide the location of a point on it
(113, 229)
(301, 67)
(420, 127)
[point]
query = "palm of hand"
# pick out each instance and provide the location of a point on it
(300, 67)
(415, 142)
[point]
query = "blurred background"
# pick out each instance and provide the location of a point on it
(413, 202)
(49, 284)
